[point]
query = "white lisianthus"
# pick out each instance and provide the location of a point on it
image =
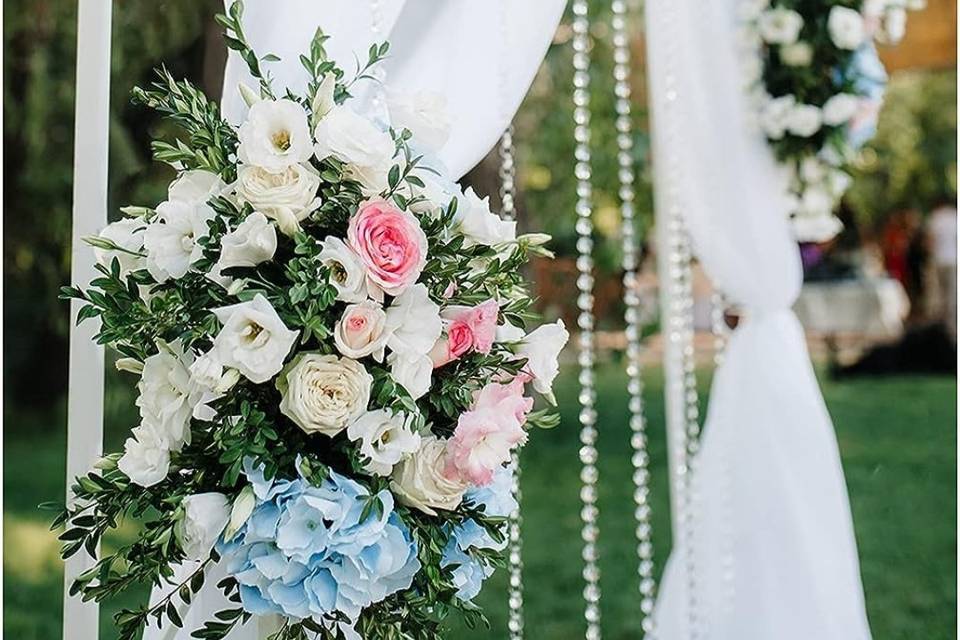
(542, 348)
(413, 322)
(275, 135)
(384, 438)
(840, 108)
(436, 193)
(287, 196)
(815, 228)
(171, 240)
(412, 371)
(366, 150)
(205, 515)
(479, 224)
(775, 114)
(780, 26)
(347, 274)
(816, 200)
(812, 169)
(804, 120)
(252, 242)
(127, 235)
(167, 394)
(362, 331)
(146, 457)
(323, 100)
(420, 481)
(253, 339)
(324, 393)
(424, 113)
(846, 28)
(894, 25)
(798, 54)
(838, 182)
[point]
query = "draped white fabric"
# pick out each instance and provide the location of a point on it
(481, 56)
(774, 554)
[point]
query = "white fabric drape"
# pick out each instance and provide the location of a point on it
(774, 553)
(481, 56)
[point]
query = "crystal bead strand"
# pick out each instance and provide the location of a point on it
(378, 102)
(718, 326)
(682, 393)
(584, 227)
(514, 522)
(631, 298)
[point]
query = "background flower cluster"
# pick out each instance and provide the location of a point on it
(334, 363)
(817, 84)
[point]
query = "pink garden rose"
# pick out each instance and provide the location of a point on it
(391, 246)
(470, 328)
(362, 331)
(486, 434)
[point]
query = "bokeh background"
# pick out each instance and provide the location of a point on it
(875, 306)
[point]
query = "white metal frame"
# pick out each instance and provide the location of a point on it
(86, 374)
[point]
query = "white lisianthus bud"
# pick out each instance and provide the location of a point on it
(130, 365)
(250, 97)
(205, 515)
(323, 100)
(420, 481)
(242, 508)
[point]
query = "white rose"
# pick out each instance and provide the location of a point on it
(205, 515)
(275, 135)
(384, 439)
(424, 113)
(252, 242)
(366, 151)
(171, 240)
(362, 331)
(419, 480)
(846, 28)
(840, 108)
(347, 274)
(413, 322)
(167, 394)
(253, 339)
(542, 348)
(287, 196)
(324, 393)
(798, 54)
(780, 26)
(411, 371)
(479, 224)
(774, 114)
(146, 457)
(127, 235)
(815, 228)
(804, 120)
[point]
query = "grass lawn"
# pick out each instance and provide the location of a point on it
(897, 437)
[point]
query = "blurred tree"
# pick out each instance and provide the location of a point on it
(39, 70)
(912, 161)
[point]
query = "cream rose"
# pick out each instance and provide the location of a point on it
(420, 481)
(362, 331)
(324, 393)
(287, 196)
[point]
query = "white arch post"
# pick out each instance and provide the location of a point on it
(86, 375)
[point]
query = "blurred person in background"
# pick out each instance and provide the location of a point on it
(895, 240)
(942, 229)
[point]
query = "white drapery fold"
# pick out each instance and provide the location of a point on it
(481, 56)
(773, 549)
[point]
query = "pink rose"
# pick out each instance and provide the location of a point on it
(391, 246)
(482, 443)
(459, 340)
(361, 331)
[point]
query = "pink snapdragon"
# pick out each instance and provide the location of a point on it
(391, 245)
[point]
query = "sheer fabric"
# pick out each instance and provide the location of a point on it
(774, 553)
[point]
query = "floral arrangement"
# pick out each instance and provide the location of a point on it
(333, 367)
(817, 85)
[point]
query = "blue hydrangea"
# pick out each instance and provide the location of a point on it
(497, 500)
(305, 551)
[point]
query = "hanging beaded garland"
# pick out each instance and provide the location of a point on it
(631, 299)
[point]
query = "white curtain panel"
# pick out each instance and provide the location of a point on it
(773, 548)
(480, 55)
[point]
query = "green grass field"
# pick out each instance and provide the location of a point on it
(897, 437)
